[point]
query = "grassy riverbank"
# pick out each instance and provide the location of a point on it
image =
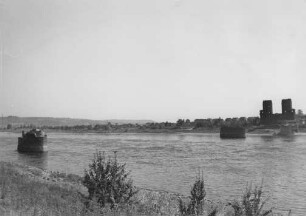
(31, 191)
(27, 190)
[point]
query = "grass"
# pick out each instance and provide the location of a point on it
(32, 191)
(29, 194)
(251, 203)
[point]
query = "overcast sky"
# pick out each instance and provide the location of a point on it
(151, 59)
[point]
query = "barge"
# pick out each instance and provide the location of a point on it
(33, 141)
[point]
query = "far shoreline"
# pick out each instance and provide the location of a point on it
(259, 131)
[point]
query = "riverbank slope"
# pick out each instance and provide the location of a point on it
(26, 190)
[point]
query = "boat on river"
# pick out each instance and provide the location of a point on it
(33, 141)
(232, 132)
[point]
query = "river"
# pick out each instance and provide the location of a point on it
(171, 162)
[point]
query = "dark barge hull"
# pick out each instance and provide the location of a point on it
(232, 132)
(32, 144)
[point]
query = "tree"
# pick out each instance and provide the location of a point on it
(180, 122)
(107, 181)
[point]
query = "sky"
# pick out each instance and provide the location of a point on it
(150, 59)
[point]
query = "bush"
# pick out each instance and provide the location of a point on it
(251, 203)
(196, 203)
(107, 181)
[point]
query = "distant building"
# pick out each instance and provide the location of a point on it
(199, 121)
(268, 118)
(253, 120)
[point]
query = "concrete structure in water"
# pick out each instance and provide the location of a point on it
(34, 141)
(232, 132)
(268, 118)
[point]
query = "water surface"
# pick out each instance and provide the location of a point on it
(171, 162)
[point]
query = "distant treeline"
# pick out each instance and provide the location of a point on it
(180, 124)
(29, 122)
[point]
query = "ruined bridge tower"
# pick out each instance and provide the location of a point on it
(287, 112)
(268, 118)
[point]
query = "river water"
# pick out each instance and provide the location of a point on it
(171, 162)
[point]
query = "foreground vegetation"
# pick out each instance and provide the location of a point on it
(106, 189)
(32, 191)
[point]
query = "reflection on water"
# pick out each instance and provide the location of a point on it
(39, 160)
(269, 138)
(170, 161)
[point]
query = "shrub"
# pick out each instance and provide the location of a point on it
(251, 203)
(196, 203)
(107, 181)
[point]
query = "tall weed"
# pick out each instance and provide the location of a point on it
(196, 202)
(251, 204)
